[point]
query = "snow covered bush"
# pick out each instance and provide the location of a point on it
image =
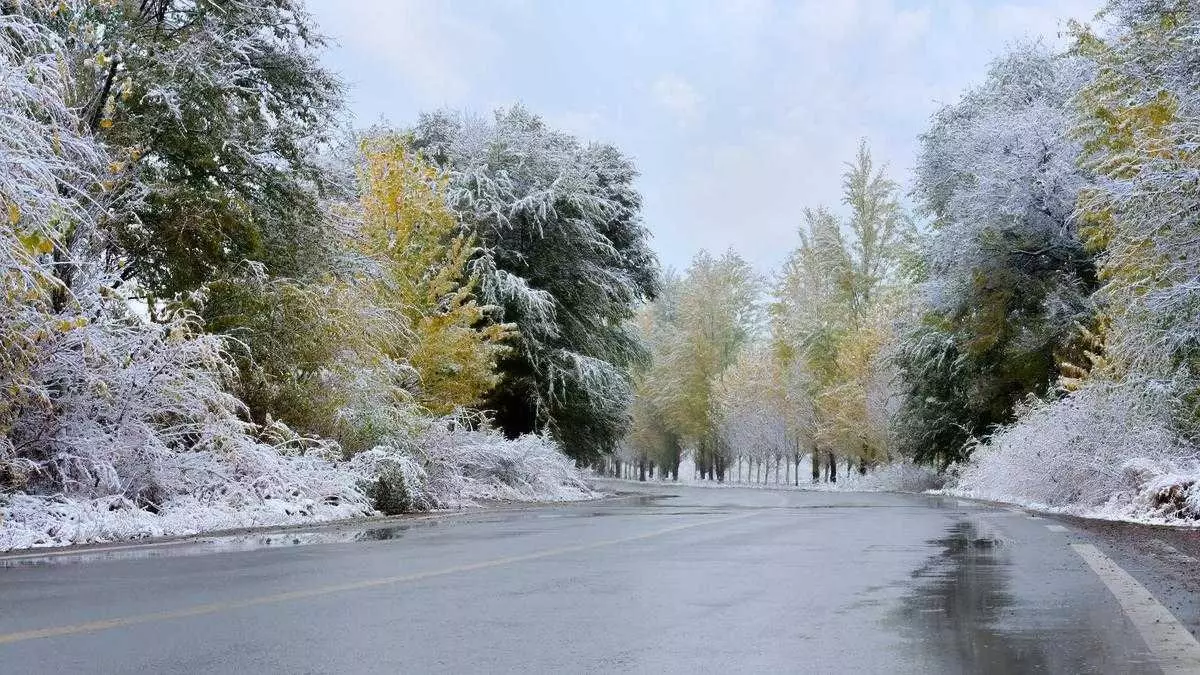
(459, 461)
(1106, 450)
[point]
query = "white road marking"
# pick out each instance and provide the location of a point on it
(1057, 528)
(1034, 517)
(1176, 649)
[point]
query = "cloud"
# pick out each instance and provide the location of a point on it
(738, 113)
(425, 49)
(679, 97)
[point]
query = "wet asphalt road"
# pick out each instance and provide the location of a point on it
(672, 579)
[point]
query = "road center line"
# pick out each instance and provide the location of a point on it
(212, 608)
(1175, 648)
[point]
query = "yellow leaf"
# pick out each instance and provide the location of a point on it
(106, 123)
(14, 213)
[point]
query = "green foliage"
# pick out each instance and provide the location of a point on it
(403, 328)
(565, 256)
(389, 493)
(695, 331)
(217, 106)
(422, 275)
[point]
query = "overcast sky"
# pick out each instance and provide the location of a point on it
(738, 113)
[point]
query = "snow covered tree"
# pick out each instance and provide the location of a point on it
(751, 411)
(95, 402)
(1007, 279)
(564, 254)
(652, 438)
(1138, 118)
(218, 108)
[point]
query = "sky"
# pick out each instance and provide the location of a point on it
(738, 113)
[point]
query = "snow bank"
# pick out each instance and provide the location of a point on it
(898, 476)
(1106, 451)
(453, 467)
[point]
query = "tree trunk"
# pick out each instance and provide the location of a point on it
(832, 468)
(816, 465)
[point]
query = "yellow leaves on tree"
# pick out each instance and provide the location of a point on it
(422, 257)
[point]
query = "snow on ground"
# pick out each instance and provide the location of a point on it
(453, 469)
(1152, 497)
(1107, 451)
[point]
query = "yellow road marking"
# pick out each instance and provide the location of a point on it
(212, 608)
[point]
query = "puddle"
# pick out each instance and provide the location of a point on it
(961, 595)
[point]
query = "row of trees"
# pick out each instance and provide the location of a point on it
(1039, 327)
(746, 370)
(197, 259)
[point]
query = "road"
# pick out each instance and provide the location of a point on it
(668, 579)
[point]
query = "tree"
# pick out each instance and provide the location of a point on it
(564, 254)
(96, 402)
(1007, 280)
(1137, 118)
(652, 439)
(829, 306)
(402, 325)
(718, 313)
(218, 107)
(751, 413)
(421, 259)
(695, 330)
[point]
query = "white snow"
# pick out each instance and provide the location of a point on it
(451, 468)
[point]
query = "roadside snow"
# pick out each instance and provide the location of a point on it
(450, 468)
(1103, 452)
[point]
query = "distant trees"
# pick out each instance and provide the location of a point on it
(834, 297)
(733, 381)
(695, 333)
